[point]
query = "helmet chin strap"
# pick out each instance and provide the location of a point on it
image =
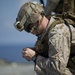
(38, 32)
(37, 26)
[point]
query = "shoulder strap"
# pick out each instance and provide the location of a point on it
(57, 21)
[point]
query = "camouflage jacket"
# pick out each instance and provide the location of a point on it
(58, 52)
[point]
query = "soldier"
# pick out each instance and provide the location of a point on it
(52, 50)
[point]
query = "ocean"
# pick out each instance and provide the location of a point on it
(13, 53)
(18, 65)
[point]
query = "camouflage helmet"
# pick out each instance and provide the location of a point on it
(28, 14)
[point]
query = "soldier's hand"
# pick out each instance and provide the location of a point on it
(28, 53)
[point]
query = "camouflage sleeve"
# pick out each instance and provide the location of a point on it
(59, 50)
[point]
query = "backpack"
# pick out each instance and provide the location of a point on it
(67, 10)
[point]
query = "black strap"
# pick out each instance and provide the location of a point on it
(71, 63)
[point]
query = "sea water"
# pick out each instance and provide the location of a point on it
(13, 52)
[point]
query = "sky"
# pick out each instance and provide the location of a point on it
(8, 13)
(12, 41)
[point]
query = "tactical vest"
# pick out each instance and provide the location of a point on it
(42, 46)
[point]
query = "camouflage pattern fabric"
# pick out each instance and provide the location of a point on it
(59, 51)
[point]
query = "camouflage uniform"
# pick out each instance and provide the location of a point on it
(59, 51)
(57, 45)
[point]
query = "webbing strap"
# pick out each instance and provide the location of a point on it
(57, 21)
